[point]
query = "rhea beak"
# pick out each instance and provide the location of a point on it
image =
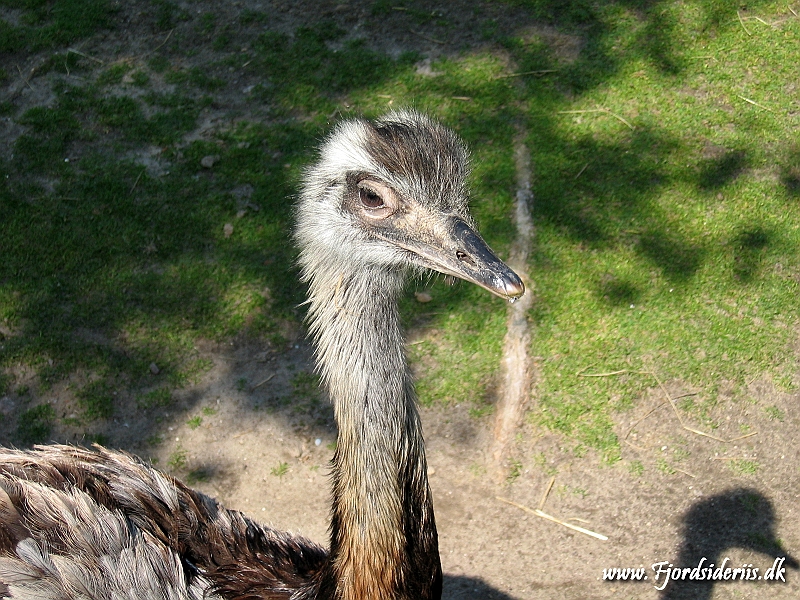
(454, 248)
(477, 263)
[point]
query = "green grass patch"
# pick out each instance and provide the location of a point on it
(636, 468)
(481, 411)
(666, 186)
(168, 14)
(197, 77)
(100, 439)
(198, 476)
(744, 467)
(97, 400)
(670, 246)
(99, 250)
(159, 397)
(305, 401)
(663, 466)
(751, 503)
(301, 73)
(514, 471)
(5, 382)
(280, 470)
(34, 424)
(253, 17)
(774, 413)
(113, 74)
(458, 362)
(178, 459)
(46, 24)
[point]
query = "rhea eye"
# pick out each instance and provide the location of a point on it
(370, 198)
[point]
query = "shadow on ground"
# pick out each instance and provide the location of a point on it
(458, 587)
(740, 518)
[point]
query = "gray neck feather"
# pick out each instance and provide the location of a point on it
(382, 517)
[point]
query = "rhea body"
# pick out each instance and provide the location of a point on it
(384, 199)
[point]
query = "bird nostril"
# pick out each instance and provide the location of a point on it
(461, 256)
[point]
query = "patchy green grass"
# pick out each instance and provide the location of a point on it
(97, 400)
(45, 24)
(663, 466)
(680, 454)
(514, 471)
(5, 382)
(280, 470)
(666, 185)
(477, 470)
(159, 397)
(744, 467)
(306, 401)
(101, 252)
(100, 439)
(669, 245)
(198, 476)
(34, 424)
(302, 74)
(636, 468)
(750, 502)
(178, 459)
(582, 492)
(774, 413)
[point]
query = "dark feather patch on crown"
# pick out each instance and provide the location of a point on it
(423, 152)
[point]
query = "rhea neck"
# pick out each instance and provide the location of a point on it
(383, 535)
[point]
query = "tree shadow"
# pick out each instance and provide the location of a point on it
(617, 291)
(720, 171)
(590, 20)
(739, 518)
(657, 41)
(749, 247)
(721, 14)
(134, 255)
(590, 190)
(603, 195)
(790, 173)
(678, 259)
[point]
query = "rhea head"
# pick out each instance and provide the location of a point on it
(391, 194)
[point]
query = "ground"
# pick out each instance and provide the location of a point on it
(251, 432)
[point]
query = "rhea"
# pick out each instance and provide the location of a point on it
(385, 199)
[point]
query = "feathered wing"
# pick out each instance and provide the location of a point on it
(82, 524)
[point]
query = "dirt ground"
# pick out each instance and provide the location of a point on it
(490, 549)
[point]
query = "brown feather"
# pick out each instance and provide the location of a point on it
(45, 493)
